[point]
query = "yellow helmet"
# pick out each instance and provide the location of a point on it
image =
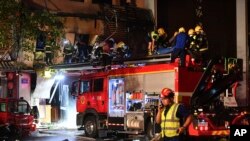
(182, 29)
(197, 28)
(161, 31)
(154, 35)
(120, 44)
(191, 31)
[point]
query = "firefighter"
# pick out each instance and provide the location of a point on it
(162, 41)
(49, 50)
(180, 46)
(201, 44)
(152, 37)
(164, 44)
(118, 52)
(159, 43)
(201, 39)
(192, 46)
(106, 52)
(68, 53)
(82, 47)
(173, 117)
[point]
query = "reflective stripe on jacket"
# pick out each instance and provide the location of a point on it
(170, 123)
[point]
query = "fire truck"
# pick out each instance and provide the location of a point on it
(123, 99)
(16, 118)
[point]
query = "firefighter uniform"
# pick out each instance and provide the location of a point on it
(68, 53)
(192, 47)
(48, 52)
(180, 46)
(201, 43)
(152, 38)
(159, 43)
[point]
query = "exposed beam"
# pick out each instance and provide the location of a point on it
(80, 15)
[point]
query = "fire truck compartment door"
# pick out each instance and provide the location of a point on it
(150, 82)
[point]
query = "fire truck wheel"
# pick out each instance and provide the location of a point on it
(90, 126)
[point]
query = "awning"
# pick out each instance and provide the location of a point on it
(7, 65)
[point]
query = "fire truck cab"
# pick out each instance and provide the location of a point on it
(16, 118)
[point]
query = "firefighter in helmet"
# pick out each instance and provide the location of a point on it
(107, 48)
(164, 43)
(173, 117)
(201, 39)
(68, 52)
(191, 44)
(50, 43)
(159, 43)
(179, 49)
(201, 45)
(152, 39)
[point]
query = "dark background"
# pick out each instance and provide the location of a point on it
(218, 20)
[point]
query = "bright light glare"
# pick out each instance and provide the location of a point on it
(47, 74)
(59, 77)
(65, 41)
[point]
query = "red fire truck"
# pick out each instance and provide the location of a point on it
(124, 99)
(16, 120)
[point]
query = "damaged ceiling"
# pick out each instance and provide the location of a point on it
(80, 16)
(65, 6)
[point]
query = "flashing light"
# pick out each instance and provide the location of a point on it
(200, 109)
(206, 128)
(47, 74)
(65, 41)
(201, 128)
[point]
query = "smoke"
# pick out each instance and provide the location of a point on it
(67, 108)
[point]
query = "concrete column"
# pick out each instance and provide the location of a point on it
(242, 48)
(241, 18)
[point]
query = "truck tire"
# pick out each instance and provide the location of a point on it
(90, 126)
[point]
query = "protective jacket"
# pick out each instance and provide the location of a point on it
(170, 123)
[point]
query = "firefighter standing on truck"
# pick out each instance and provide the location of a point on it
(179, 49)
(201, 44)
(48, 49)
(159, 42)
(68, 52)
(173, 117)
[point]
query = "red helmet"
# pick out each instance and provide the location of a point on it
(167, 93)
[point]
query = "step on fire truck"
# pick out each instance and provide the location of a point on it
(124, 99)
(16, 118)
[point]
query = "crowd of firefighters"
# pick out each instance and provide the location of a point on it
(193, 42)
(106, 50)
